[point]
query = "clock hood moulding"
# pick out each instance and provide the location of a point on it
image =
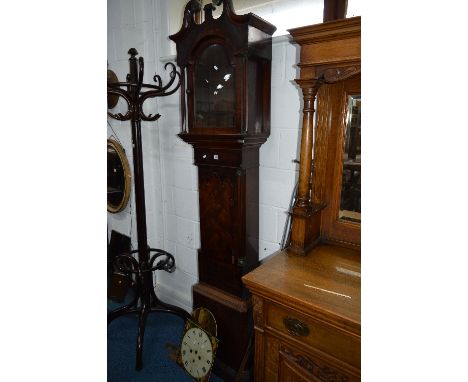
(241, 31)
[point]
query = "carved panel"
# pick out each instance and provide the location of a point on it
(332, 75)
(319, 370)
(258, 311)
(259, 359)
(323, 129)
(291, 372)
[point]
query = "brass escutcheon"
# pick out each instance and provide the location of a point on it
(296, 327)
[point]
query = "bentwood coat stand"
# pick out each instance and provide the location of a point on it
(145, 300)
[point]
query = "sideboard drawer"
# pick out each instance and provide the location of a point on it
(317, 334)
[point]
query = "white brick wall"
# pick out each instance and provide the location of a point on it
(171, 178)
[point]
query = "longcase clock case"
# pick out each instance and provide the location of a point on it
(227, 66)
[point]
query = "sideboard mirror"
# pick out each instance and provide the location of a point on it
(338, 160)
(350, 199)
(118, 177)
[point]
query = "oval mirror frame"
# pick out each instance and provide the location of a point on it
(112, 99)
(127, 177)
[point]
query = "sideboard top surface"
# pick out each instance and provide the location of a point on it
(326, 282)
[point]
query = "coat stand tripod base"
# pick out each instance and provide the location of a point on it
(145, 300)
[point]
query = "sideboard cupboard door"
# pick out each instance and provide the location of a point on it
(292, 372)
(295, 366)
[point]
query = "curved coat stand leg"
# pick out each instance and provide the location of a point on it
(145, 300)
(141, 335)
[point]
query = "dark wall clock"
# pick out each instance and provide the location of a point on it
(118, 177)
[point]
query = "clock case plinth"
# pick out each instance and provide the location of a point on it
(226, 151)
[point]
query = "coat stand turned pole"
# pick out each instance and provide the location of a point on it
(145, 300)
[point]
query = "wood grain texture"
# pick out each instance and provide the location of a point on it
(329, 31)
(259, 352)
(309, 91)
(320, 291)
(259, 356)
(258, 311)
(315, 284)
(297, 366)
(322, 132)
(271, 362)
(306, 215)
(233, 316)
(322, 336)
(305, 232)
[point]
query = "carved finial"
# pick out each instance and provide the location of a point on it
(209, 8)
(196, 5)
(132, 52)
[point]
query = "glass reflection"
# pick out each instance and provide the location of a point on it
(350, 206)
(214, 89)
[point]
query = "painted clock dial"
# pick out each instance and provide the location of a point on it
(197, 353)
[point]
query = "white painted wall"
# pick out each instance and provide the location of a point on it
(131, 24)
(171, 179)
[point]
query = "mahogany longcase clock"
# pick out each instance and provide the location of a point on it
(227, 67)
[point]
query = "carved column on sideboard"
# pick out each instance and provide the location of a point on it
(309, 91)
(329, 52)
(259, 322)
(306, 229)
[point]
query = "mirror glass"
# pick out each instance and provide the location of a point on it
(214, 89)
(350, 204)
(118, 177)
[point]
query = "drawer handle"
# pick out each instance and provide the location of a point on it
(296, 327)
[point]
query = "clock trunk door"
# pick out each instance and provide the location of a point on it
(220, 216)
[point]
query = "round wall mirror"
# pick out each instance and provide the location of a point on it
(118, 177)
